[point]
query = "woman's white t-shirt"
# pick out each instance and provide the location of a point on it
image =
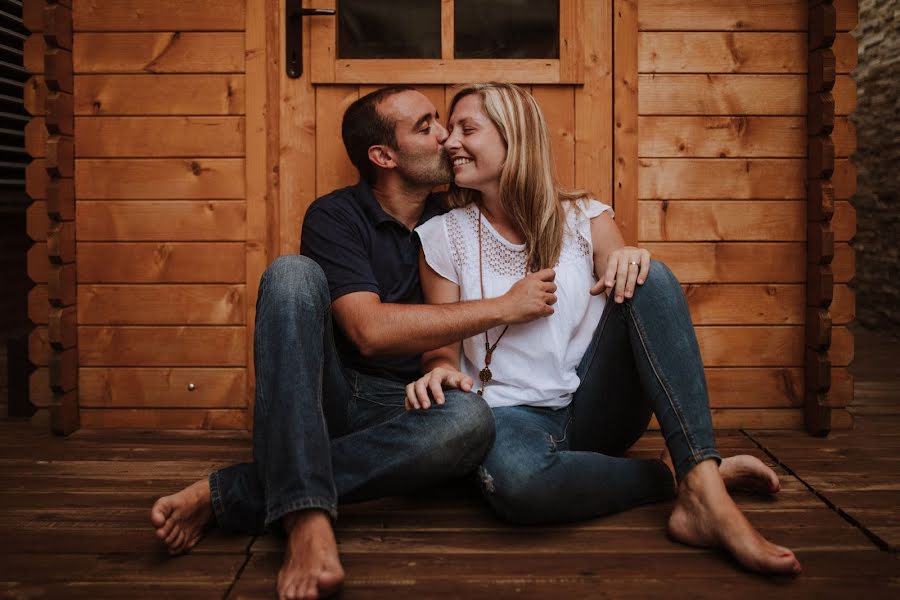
(534, 364)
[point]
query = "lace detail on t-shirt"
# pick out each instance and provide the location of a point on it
(499, 259)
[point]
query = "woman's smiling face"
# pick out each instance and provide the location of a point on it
(475, 146)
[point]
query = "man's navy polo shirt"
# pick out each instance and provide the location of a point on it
(361, 248)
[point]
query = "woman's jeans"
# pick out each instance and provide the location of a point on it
(322, 433)
(563, 465)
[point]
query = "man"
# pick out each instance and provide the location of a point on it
(329, 419)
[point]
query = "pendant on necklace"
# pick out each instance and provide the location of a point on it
(485, 375)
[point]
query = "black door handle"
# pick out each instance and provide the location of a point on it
(293, 34)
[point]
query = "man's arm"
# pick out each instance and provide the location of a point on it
(379, 329)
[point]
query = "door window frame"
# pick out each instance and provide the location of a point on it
(327, 68)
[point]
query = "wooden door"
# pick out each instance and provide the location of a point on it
(574, 91)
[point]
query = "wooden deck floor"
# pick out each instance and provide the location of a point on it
(73, 523)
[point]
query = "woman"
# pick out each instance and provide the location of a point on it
(572, 391)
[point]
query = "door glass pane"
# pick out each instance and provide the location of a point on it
(389, 29)
(506, 29)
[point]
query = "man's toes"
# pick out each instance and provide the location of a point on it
(166, 530)
(159, 513)
(178, 543)
(173, 533)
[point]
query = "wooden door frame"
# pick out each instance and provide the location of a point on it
(281, 133)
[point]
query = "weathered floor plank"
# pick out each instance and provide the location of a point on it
(74, 523)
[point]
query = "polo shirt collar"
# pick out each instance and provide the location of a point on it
(377, 214)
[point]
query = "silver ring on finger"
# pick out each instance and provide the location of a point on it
(633, 263)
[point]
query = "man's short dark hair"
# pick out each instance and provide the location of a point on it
(363, 127)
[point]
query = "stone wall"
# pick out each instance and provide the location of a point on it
(878, 162)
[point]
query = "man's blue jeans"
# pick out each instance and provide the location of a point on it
(323, 433)
(563, 465)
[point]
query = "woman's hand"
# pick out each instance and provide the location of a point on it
(625, 267)
(434, 381)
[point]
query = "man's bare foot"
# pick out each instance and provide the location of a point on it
(181, 519)
(311, 567)
(741, 473)
(706, 516)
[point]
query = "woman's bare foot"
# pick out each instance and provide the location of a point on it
(181, 519)
(706, 516)
(746, 473)
(311, 567)
(741, 473)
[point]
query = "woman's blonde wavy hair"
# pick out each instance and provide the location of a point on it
(529, 192)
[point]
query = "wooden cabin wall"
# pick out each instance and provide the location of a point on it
(721, 176)
(161, 214)
(178, 206)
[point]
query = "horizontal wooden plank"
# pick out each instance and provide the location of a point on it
(161, 262)
(128, 346)
(844, 179)
(34, 96)
(39, 392)
(845, 95)
(162, 52)
(844, 221)
(740, 15)
(712, 304)
(161, 304)
(713, 178)
(162, 387)
(36, 137)
(738, 137)
(733, 262)
(722, 137)
(146, 178)
(843, 305)
(697, 220)
(734, 52)
(39, 346)
(699, 94)
(193, 94)
(842, 347)
(844, 262)
(844, 137)
(36, 179)
(165, 220)
(37, 223)
(436, 71)
(721, 52)
(160, 15)
(171, 418)
(751, 346)
(745, 387)
(39, 305)
(37, 262)
(138, 137)
(846, 52)
(33, 49)
(842, 384)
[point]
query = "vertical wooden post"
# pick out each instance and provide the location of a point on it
(625, 117)
(60, 166)
(820, 208)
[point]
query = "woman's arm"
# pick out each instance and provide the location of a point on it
(615, 264)
(441, 365)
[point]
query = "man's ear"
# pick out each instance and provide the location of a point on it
(382, 156)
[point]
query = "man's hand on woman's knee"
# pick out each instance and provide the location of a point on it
(433, 383)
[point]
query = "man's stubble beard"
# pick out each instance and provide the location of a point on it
(421, 171)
